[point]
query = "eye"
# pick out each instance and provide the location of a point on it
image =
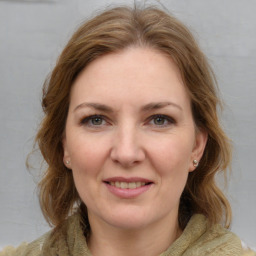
(94, 120)
(161, 120)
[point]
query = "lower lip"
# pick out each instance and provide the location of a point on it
(128, 193)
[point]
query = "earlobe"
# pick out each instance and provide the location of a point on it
(198, 150)
(195, 163)
(67, 163)
(66, 157)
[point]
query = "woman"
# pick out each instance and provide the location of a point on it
(132, 141)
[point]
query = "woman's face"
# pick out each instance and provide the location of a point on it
(130, 138)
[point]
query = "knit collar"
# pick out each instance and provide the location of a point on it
(196, 239)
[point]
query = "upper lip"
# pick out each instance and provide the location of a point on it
(124, 179)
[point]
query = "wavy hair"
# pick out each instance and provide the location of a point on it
(111, 31)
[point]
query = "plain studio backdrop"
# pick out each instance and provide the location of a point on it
(32, 35)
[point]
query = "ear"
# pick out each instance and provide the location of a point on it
(201, 138)
(66, 156)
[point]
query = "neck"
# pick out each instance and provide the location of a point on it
(150, 241)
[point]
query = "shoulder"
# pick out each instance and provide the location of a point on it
(247, 251)
(213, 240)
(68, 236)
(220, 241)
(26, 249)
(223, 240)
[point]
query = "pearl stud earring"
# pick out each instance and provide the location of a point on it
(195, 163)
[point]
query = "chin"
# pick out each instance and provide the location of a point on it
(129, 219)
(129, 223)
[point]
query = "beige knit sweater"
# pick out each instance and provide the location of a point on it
(196, 240)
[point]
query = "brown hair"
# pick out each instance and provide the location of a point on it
(111, 31)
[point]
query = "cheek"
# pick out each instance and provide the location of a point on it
(171, 161)
(87, 155)
(87, 158)
(172, 154)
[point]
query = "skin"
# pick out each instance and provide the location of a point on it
(127, 140)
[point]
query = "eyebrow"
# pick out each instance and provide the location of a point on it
(147, 107)
(158, 105)
(97, 106)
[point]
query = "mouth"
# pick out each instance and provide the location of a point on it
(128, 185)
(128, 188)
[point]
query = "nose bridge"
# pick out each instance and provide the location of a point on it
(127, 148)
(127, 138)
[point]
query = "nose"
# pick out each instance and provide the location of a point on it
(127, 149)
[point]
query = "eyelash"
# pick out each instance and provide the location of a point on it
(169, 120)
(87, 120)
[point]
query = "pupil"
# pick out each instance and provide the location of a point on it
(159, 120)
(97, 121)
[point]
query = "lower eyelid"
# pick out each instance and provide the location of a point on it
(167, 118)
(87, 119)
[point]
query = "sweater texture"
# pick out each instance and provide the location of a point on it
(197, 239)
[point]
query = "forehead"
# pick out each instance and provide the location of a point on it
(143, 74)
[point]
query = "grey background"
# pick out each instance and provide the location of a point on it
(32, 35)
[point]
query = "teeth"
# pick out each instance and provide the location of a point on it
(138, 184)
(132, 185)
(125, 185)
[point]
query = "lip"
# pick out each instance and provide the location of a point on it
(128, 193)
(131, 179)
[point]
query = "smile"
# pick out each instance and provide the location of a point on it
(129, 185)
